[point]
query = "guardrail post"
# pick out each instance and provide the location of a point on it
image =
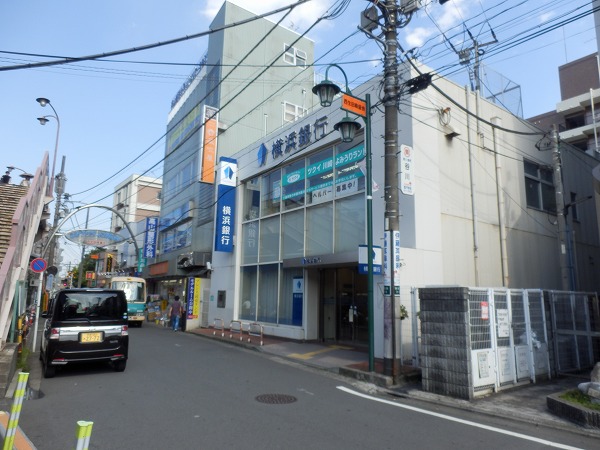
(84, 432)
(15, 411)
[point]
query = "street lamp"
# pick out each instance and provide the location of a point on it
(44, 120)
(327, 90)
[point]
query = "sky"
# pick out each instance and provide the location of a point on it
(113, 113)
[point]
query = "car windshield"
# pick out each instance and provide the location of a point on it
(84, 305)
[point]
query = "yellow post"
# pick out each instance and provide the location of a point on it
(15, 411)
(84, 432)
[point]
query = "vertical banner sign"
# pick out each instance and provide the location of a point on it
(297, 301)
(406, 170)
(142, 262)
(225, 216)
(150, 237)
(391, 267)
(209, 144)
(193, 297)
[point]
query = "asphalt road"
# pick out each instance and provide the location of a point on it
(184, 391)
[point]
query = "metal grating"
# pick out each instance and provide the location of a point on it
(276, 399)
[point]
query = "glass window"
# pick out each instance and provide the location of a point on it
(251, 199)
(271, 193)
(292, 234)
(319, 229)
(539, 187)
(292, 184)
(289, 55)
(349, 177)
(319, 177)
(269, 239)
(268, 293)
(248, 293)
(250, 242)
(349, 223)
(290, 306)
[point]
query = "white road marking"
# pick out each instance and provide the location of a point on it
(455, 419)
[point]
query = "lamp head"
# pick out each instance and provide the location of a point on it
(347, 128)
(326, 90)
(42, 101)
(43, 120)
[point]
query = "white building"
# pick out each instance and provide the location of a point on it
(479, 211)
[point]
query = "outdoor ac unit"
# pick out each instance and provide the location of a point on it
(185, 260)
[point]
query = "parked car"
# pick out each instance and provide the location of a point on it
(85, 325)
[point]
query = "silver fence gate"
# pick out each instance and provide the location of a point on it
(576, 329)
(509, 344)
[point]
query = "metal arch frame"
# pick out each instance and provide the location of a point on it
(93, 205)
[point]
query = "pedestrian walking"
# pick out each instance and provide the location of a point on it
(175, 311)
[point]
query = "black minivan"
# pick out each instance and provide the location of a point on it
(84, 325)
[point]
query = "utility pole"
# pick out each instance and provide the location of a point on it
(560, 210)
(392, 205)
(59, 189)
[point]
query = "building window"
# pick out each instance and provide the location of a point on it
(294, 56)
(292, 112)
(539, 189)
(575, 121)
(573, 208)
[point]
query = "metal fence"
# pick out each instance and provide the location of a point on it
(576, 330)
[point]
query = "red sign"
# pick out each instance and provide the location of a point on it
(38, 265)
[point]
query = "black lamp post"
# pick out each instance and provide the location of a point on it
(326, 90)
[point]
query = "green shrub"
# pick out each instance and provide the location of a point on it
(22, 360)
(578, 397)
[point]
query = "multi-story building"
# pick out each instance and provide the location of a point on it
(477, 205)
(255, 77)
(135, 199)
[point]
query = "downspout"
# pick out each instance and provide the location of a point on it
(501, 206)
(472, 186)
(594, 120)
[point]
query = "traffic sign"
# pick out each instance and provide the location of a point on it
(38, 265)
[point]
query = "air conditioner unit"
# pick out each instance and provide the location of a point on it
(185, 260)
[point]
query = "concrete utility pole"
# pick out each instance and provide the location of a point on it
(560, 210)
(392, 206)
(59, 189)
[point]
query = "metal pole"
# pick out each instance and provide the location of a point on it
(391, 217)
(560, 209)
(79, 281)
(370, 235)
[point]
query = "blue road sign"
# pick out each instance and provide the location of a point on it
(38, 265)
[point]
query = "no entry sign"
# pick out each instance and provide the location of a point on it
(38, 265)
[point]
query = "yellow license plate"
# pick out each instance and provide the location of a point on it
(90, 337)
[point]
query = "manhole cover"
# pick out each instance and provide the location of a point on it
(276, 399)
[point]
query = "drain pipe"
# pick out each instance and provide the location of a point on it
(501, 207)
(472, 182)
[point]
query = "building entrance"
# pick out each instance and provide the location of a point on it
(343, 306)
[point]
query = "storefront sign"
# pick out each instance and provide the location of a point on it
(363, 259)
(297, 301)
(209, 144)
(94, 238)
(194, 289)
(294, 141)
(225, 216)
(150, 237)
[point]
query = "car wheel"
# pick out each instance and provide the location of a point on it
(120, 366)
(49, 371)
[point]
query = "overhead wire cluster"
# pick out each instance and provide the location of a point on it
(430, 51)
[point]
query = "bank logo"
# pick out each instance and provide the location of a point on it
(262, 155)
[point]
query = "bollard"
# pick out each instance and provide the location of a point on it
(15, 411)
(84, 432)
